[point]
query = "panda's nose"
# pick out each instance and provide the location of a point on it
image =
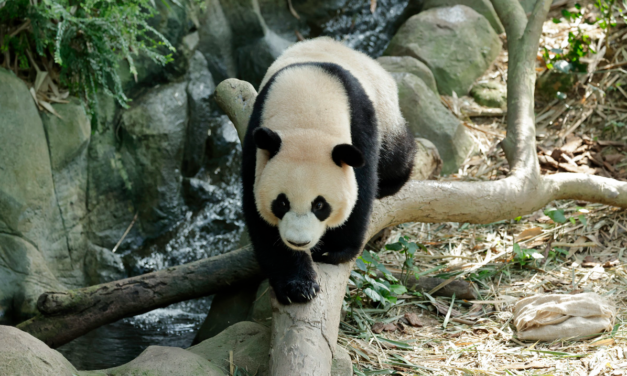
(298, 244)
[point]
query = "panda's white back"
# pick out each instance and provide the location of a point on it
(376, 81)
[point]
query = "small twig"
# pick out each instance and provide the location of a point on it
(462, 321)
(448, 314)
(299, 36)
(231, 366)
(23, 26)
(576, 245)
(583, 118)
(373, 6)
(292, 10)
(468, 125)
(125, 233)
(32, 60)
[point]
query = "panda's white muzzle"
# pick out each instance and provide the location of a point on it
(300, 231)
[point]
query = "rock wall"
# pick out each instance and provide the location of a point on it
(71, 186)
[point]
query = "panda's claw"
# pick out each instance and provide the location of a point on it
(288, 299)
(313, 291)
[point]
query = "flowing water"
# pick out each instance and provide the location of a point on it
(214, 223)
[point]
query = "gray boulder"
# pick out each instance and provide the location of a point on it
(155, 128)
(250, 343)
(237, 42)
(102, 266)
(254, 58)
(110, 194)
(428, 118)
(165, 361)
(199, 93)
(341, 364)
(456, 43)
(24, 275)
(408, 64)
(216, 42)
(30, 220)
(490, 94)
(483, 7)
(21, 354)
(68, 141)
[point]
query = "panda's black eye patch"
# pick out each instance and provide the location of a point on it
(280, 206)
(321, 208)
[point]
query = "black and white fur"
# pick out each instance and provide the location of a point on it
(381, 157)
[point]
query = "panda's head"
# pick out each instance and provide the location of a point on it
(305, 183)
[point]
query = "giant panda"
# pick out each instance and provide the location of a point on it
(325, 139)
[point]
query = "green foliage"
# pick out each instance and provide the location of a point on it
(606, 19)
(86, 39)
(569, 60)
(378, 290)
(523, 257)
(557, 215)
(382, 290)
(407, 249)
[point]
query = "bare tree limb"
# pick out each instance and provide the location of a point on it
(70, 314)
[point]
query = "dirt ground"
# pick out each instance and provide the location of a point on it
(583, 251)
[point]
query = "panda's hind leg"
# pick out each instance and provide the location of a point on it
(396, 162)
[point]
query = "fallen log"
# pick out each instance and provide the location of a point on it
(67, 315)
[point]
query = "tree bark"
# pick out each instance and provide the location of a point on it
(70, 314)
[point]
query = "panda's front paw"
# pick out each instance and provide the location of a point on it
(295, 290)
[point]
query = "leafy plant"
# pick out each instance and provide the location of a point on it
(523, 257)
(407, 249)
(80, 43)
(569, 60)
(378, 290)
(606, 19)
(557, 215)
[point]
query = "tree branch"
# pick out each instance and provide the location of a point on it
(70, 314)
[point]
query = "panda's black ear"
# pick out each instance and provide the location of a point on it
(267, 139)
(346, 153)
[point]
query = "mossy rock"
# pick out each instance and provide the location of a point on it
(456, 43)
(490, 94)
